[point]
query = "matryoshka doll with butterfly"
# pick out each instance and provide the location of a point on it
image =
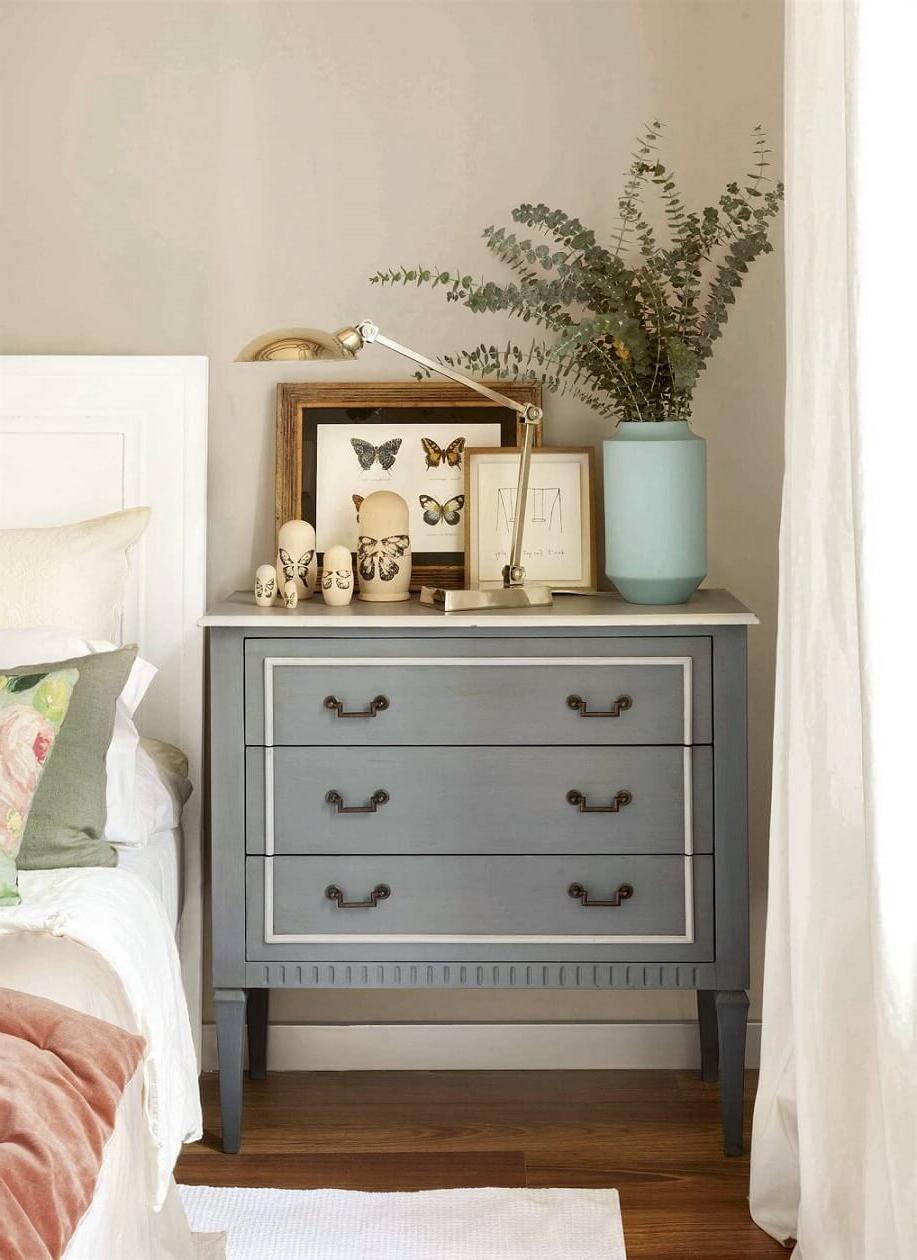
(337, 578)
(296, 559)
(384, 548)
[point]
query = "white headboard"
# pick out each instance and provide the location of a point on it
(82, 436)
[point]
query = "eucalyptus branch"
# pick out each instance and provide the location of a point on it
(628, 338)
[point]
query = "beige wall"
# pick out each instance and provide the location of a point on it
(176, 177)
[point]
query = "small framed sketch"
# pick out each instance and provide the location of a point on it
(558, 545)
(338, 442)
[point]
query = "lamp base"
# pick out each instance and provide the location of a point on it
(501, 597)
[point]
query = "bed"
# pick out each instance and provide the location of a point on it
(109, 434)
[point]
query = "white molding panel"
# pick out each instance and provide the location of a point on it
(272, 663)
(114, 432)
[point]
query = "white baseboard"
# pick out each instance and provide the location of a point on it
(479, 1047)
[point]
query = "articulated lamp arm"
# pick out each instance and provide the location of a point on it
(366, 333)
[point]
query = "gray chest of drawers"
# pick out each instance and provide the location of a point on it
(550, 800)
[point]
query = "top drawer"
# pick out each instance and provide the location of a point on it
(477, 691)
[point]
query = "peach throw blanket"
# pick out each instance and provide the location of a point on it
(62, 1075)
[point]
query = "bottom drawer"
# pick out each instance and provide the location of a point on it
(299, 905)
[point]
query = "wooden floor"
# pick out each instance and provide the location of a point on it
(653, 1135)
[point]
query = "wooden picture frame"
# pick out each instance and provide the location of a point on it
(302, 406)
(576, 572)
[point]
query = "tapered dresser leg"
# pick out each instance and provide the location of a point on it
(256, 1013)
(229, 1005)
(709, 1043)
(732, 1018)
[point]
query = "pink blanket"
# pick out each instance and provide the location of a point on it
(62, 1075)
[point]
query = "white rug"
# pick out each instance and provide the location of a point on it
(428, 1225)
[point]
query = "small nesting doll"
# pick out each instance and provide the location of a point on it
(384, 551)
(290, 594)
(296, 561)
(265, 585)
(337, 579)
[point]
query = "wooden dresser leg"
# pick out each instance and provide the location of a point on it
(256, 1013)
(709, 1037)
(732, 1018)
(229, 1005)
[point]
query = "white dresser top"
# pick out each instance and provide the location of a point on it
(704, 608)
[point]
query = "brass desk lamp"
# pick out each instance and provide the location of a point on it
(347, 343)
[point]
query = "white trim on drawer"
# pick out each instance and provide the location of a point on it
(273, 938)
(390, 938)
(437, 662)
(689, 800)
(269, 801)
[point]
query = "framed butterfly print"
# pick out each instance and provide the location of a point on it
(338, 442)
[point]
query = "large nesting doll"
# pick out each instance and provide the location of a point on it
(384, 550)
(296, 559)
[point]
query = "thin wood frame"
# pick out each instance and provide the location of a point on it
(471, 507)
(295, 400)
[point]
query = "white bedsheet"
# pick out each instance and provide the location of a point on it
(119, 1224)
(108, 921)
(161, 864)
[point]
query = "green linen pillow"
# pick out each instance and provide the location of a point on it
(67, 820)
(32, 709)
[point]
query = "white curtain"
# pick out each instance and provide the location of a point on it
(834, 1153)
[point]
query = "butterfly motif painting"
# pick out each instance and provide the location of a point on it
(342, 577)
(384, 455)
(451, 457)
(295, 567)
(381, 553)
(436, 513)
(265, 585)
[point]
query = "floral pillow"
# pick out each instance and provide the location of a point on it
(32, 710)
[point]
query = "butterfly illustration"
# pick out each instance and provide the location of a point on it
(340, 576)
(368, 454)
(384, 552)
(298, 568)
(263, 589)
(435, 453)
(434, 512)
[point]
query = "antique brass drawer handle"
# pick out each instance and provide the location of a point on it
(377, 705)
(624, 893)
(617, 707)
(379, 893)
(379, 797)
(619, 800)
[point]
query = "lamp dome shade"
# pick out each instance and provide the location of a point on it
(293, 345)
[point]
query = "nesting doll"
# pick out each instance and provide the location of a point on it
(290, 594)
(337, 579)
(384, 550)
(296, 560)
(265, 585)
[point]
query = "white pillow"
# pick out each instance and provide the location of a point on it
(162, 786)
(69, 575)
(123, 823)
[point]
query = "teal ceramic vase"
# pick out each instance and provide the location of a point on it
(656, 511)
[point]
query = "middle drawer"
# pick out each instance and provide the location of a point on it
(384, 799)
